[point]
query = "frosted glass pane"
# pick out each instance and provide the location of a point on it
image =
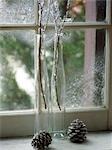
(16, 11)
(80, 10)
(16, 70)
(84, 60)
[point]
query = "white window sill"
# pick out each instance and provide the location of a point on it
(99, 141)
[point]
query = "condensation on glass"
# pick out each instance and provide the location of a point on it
(16, 70)
(16, 11)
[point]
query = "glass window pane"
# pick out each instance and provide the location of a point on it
(81, 10)
(84, 62)
(84, 67)
(16, 11)
(16, 70)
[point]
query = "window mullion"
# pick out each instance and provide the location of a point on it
(110, 80)
(83, 25)
(50, 26)
(18, 26)
(109, 63)
(108, 11)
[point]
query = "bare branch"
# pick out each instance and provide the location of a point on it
(59, 25)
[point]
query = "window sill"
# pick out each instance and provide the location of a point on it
(101, 141)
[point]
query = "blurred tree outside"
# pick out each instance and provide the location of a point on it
(11, 95)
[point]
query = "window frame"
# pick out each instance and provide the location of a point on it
(22, 123)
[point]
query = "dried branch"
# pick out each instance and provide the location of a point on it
(58, 48)
(40, 52)
(41, 31)
(56, 58)
(40, 70)
(59, 25)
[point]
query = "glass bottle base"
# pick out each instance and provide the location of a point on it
(58, 134)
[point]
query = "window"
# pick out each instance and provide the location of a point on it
(87, 59)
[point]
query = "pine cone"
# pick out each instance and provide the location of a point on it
(41, 140)
(77, 131)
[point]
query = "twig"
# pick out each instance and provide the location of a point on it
(56, 57)
(58, 28)
(39, 55)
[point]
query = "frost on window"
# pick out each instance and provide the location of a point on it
(84, 59)
(16, 11)
(16, 70)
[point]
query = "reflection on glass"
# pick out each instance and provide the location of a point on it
(16, 11)
(16, 70)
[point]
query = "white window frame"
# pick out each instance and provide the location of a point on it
(21, 123)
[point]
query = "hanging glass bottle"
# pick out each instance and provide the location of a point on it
(58, 89)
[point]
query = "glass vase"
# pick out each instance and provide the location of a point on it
(42, 87)
(58, 89)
